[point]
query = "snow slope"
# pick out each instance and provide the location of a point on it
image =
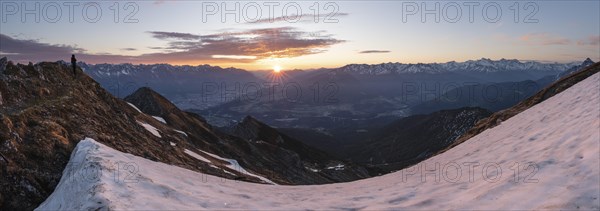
(558, 137)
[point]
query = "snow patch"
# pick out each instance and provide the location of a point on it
(312, 169)
(134, 107)
(183, 133)
(234, 165)
(160, 119)
(150, 129)
(196, 155)
(338, 167)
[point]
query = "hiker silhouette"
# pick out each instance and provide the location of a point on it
(74, 64)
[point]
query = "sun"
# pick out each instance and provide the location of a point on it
(277, 69)
(277, 75)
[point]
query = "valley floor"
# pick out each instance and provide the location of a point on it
(546, 157)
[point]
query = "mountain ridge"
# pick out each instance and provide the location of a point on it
(481, 65)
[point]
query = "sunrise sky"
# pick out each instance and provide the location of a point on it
(339, 33)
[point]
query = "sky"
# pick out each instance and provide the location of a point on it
(257, 35)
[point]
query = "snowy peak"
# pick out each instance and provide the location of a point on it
(484, 65)
(588, 62)
(106, 70)
(123, 79)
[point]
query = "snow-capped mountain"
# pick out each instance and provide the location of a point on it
(176, 81)
(394, 90)
(543, 158)
(483, 65)
(573, 69)
(104, 70)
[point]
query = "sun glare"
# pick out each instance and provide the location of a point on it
(277, 69)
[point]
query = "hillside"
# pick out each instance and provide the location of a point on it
(554, 146)
(412, 139)
(549, 91)
(493, 96)
(260, 148)
(315, 160)
(46, 110)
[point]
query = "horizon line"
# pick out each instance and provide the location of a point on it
(314, 68)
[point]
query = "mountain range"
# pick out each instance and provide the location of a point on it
(47, 110)
(542, 156)
(483, 65)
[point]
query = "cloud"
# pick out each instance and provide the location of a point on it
(242, 46)
(593, 40)
(283, 42)
(128, 49)
(300, 18)
(174, 35)
(543, 39)
(232, 57)
(22, 48)
(375, 51)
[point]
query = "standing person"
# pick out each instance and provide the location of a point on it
(74, 64)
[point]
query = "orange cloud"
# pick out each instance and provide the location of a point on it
(543, 39)
(593, 40)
